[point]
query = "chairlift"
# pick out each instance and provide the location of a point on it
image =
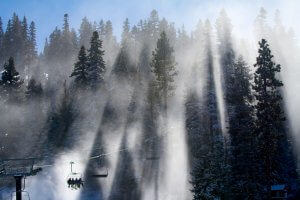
(153, 158)
(19, 169)
(74, 180)
(152, 155)
(99, 173)
(23, 191)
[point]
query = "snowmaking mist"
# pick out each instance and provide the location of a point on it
(165, 107)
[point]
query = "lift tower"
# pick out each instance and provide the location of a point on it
(18, 168)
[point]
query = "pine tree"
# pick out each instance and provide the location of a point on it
(1, 42)
(14, 41)
(144, 69)
(46, 48)
(108, 30)
(10, 77)
(53, 53)
(60, 122)
(163, 66)
(85, 33)
(67, 47)
(193, 125)
(24, 28)
(34, 90)
(227, 56)
(135, 32)
(17, 28)
(25, 43)
(126, 32)
(209, 172)
(17, 41)
(243, 153)
(110, 44)
(32, 42)
(80, 69)
(227, 59)
(123, 68)
(74, 38)
(66, 27)
(7, 40)
(96, 64)
(183, 39)
(269, 114)
(11, 81)
(170, 30)
(1, 29)
(260, 25)
(101, 29)
(153, 25)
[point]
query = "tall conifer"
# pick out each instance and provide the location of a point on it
(269, 113)
(80, 69)
(96, 64)
(163, 66)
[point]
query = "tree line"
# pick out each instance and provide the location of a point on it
(242, 162)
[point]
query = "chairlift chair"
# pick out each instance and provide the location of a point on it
(153, 158)
(74, 180)
(152, 154)
(99, 173)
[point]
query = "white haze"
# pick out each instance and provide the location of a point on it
(174, 182)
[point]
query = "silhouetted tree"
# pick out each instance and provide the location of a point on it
(80, 69)
(96, 64)
(32, 42)
(269, 114)
(123, 68)
(242, 146)
(11, 81)
(163, 66)
(1, 41)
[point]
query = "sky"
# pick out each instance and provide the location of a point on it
(49, 13)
